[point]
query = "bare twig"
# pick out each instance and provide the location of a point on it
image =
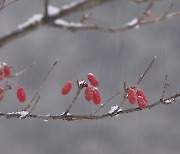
(34, 105)
(41, 86)
(46, 2)
(142, 76)
(164, 88)
(2, 2)
(24, 70)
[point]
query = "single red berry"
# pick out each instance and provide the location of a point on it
(88, 93)
(66, 88)
(92, 79)
(21, 94)
(7, 71)
(96, 96)
(141, 102)
(1, 74)
(1, 93)
(139, 92)
(131, 96)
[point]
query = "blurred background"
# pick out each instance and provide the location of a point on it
(113, 58)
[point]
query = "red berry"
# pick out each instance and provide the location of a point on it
(139, 92)
(66, 88)
(96, 97)
(88, 93)
(1, 74)
(141, 102)
(92, 79)
(7, 71)
(21, 94)
(131, 96)
(1, 93)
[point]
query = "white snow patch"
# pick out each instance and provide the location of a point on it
(35, 18)
(168, 101)
(64, 112)
(113, 108)
(67, 24)
(132, 22)
(23, 114)
(52, 10)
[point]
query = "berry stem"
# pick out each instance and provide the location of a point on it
(73, 101)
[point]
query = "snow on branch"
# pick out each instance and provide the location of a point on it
(52, 17)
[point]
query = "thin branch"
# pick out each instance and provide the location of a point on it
(24, 70)
(46, 2)
(2, 2)
(10, 3)
(142, 76)
(73, 101)
(164, 88)
(40, 87)
(34, 105)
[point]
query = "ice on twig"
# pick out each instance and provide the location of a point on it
(35, 18)
(53, 10)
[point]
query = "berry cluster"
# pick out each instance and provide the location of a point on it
(5, 72)
(91, 90)
(138, 96)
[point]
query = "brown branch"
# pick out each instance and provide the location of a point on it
(166, 101)
(164, 88)
(142, 76)
(46, 8)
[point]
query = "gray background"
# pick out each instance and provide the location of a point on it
(113, 58)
